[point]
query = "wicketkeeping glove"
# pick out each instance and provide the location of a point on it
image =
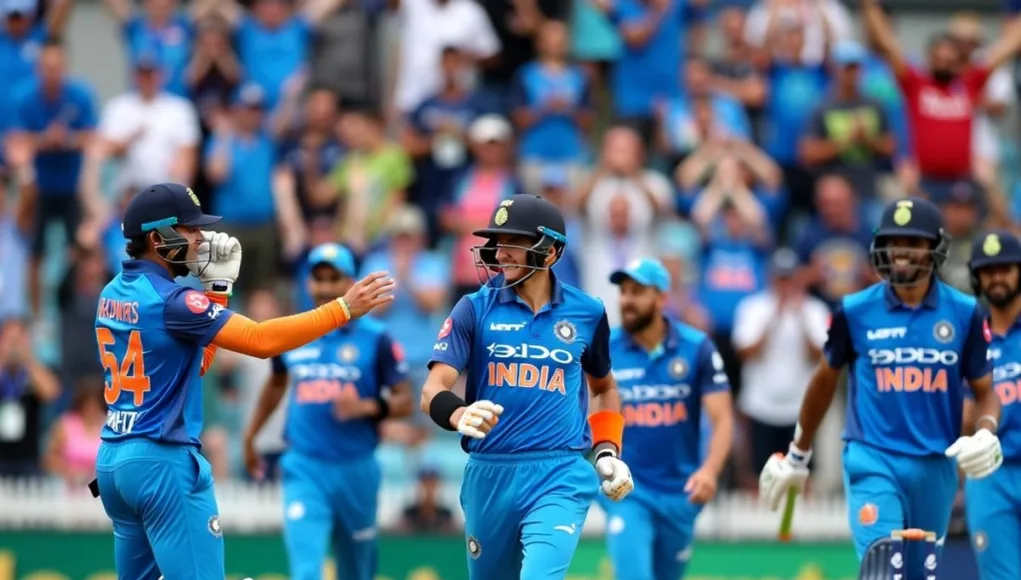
(977, 455)
(475, 415)
(219, 262)
(781, 473)
(616, 476)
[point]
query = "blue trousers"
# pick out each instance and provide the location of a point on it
(329, 503)
(524, 513)
(888, 491)
(994, 521)
(165, 519)
(649, 534)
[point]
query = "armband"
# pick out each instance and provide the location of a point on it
(217, 297)
(442, 407)
(607, 427)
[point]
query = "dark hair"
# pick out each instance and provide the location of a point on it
(90, 387)
(363, 110)
(136, 247)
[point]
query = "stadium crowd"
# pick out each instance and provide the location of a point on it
(754, 172)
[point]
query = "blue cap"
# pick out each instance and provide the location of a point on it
(164, 204)
(333, 255)
(646, 272)
(555, 176)
(250, 95)
(848, 52)
(22, 7)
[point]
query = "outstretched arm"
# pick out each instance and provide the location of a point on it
(878, 28)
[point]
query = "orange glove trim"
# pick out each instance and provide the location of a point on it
(607, 427)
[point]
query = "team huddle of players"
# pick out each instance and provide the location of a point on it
(535, 354)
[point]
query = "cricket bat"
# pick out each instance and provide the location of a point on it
(788, 516)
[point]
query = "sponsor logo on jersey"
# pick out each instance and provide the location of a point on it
(197, 302)
(527, 366)
(912, 369)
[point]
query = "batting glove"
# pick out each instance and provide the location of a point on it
(477, 419)
(782, 473)
(616, 476)
(977, 455)
(219, 262)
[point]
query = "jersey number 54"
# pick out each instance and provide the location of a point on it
(127, 374)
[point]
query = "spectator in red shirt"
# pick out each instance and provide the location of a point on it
(941, 102)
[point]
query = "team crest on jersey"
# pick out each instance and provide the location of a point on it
(474, 547)
(197, 302)
(214, 526)
(678, 368)
(347, 353)
(943, 331)
(565, 331)
(868, 514)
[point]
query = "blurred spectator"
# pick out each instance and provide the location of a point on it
(56, 115)
(240, 159)
(273, 40)
(779, 334)
(427, 27)
(311, 151)
(734, 72)
(650, 66)
(371, 181)
(243, 377)
(26, 385)
(78, 299)
(436, 136)
(621, 206)
(834, 246)
(877, 81)
(849, 133)
(154, 135)
(699, 114)
(17, 222)
(674, 248)
(483, 185)
(22, 36)
(213, 74)
(823, 22)
(427, 515)
(736, 240)
(796, 87)
(555, 187)
(962, 211)
(344, 58)
(74, 438)
(552, 106)
(161, 28)
(422, 291)
(941, 100)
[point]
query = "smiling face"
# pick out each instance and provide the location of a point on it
(910, 259)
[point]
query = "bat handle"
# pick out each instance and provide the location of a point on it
(788, 515)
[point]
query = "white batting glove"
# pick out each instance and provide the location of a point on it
(616, 476)
(477, 419)
(782, 473)
(219, 262)
(978, 455)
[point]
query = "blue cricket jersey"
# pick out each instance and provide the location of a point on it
(531, 363)
(1005, 355)
(151, 333)
(908, 366)
(661, 398)
(357, 357)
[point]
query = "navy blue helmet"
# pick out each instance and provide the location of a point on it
(912, 218)
(521, 215)
(994, 248)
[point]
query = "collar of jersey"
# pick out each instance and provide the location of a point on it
(671, 342)
(146, 267)
(509, 295)
(931, 300)
(997, 337)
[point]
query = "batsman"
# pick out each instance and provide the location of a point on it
(994, 503)
(910, 343)
(528, 344)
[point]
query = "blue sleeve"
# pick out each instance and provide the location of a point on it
(839, 349)
(586, 102)
(626, 12)
(712, 377)
(87, 120)
(417, 120)
(279, 367)
(211, 146)
(190, 315)
(519, 93)
(596, 359)
(454, 342)
(975, 361)
(685, 200)
(805, 246)
(21, 118)
(391, 368)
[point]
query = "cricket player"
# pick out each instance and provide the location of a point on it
(667, 374)
(156, 338)
(910, 342)
(341, 387)
(528, 344)
(994, 504)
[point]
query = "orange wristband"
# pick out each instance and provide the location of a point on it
(216, 298)
(607, 427)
